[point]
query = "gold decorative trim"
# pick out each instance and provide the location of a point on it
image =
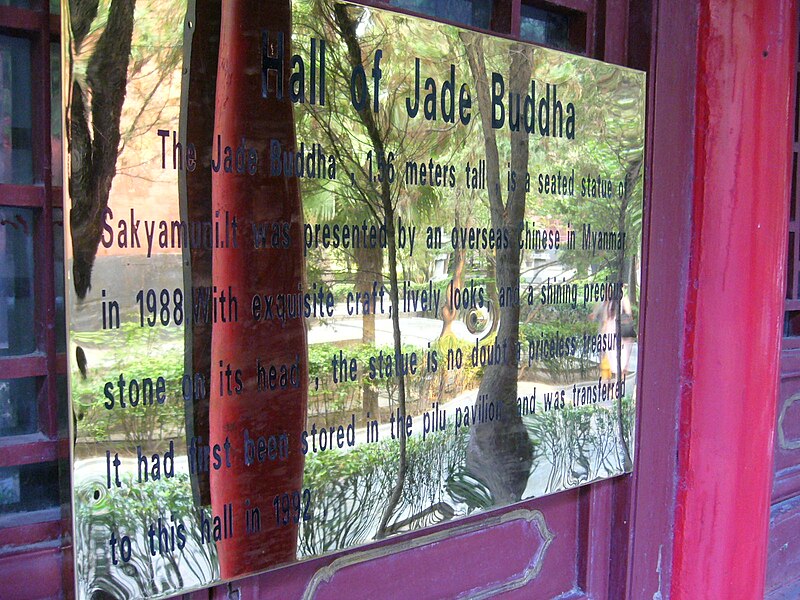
(326, 574)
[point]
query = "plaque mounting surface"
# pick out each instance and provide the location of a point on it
(334, 274)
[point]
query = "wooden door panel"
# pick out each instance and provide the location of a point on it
(784, 546)
(787, 436)
(500, 555)
(783, 558)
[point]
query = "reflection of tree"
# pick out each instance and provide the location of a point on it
(450, 313)
(155, 63)
(631, 176)
(94, 119)
(386, 208)
(565, 435)
(616, 155)
(611, 148)
(131, 510)
(609, 453)
(502, 456)
(149, 355)
(579, 444)
(349, 489)
(350, 137)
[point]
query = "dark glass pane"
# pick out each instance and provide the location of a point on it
(28, 487)
(545, 27)
(17, 335)
(790, 267)
(791, 323)
(16, 151)
(58, 279)
(17, 3)
(477, 13)
(55, 7)
(55, 114)
(18, 406)
(63, 406)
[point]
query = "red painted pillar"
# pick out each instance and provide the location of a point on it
(734, 303)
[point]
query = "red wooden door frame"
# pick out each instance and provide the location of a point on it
(717, 222)
(688, 443)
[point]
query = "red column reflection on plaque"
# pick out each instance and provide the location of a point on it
(243, 118)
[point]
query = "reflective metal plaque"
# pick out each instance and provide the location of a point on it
(334, 274)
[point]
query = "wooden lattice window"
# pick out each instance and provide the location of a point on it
(32, 344)
(792, 316)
